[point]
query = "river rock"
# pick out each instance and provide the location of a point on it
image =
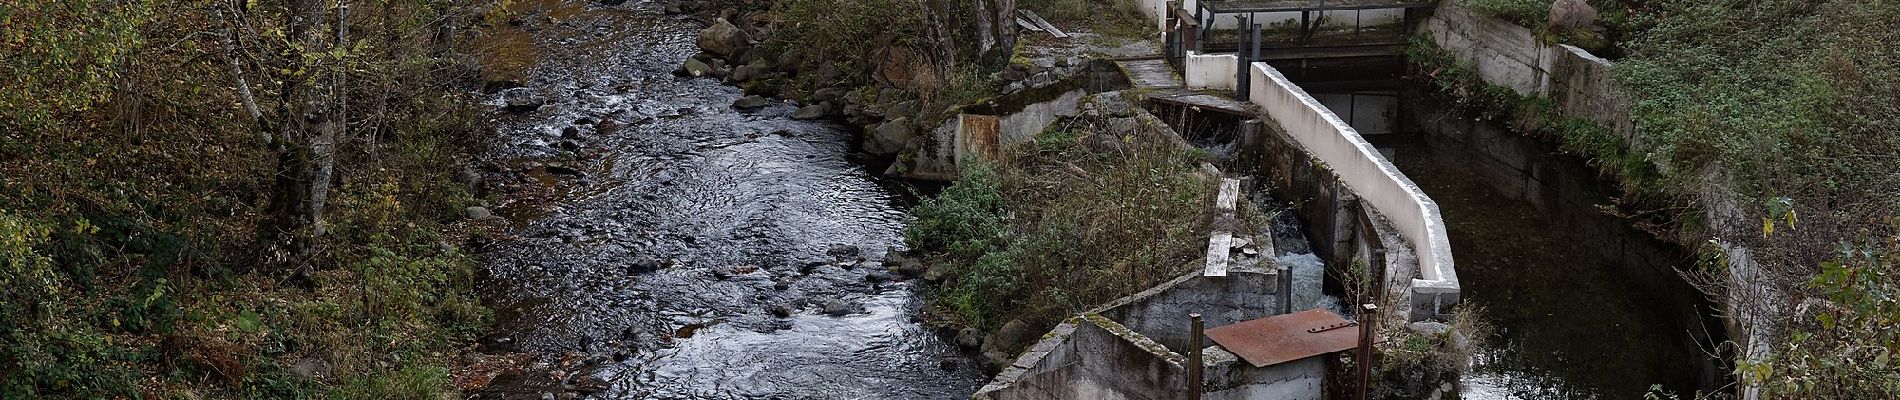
(696, 68)
(644, 264)
(477, 212)
(728, 271)
(839, 308)
(723, 38)
(749, 72)
(890, 137)
(842, 250)
(936, 273)
(522, 99)
(751, 103)
(903, 109)
(1015, 334)
(1568, 15)
(814, 111)
(876, 277)
(997, 360)
(904, 264)
(969, 338)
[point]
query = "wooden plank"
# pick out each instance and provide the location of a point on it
(1024, 22)
(1046, 26)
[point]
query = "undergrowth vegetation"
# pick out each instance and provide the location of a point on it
(135, 194)
(1060, 226)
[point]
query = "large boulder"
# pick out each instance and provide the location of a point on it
(814, 111)
(723, 39)
(1571, 15)
(890, 137)
(749, 72)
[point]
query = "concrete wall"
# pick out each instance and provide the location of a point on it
(1369, 175)
(1503, 52)
(1509, 55)
(1161, 312)
(1366, 173)
(1211, 71)
(1090, 357)
(1022, 126)
(1229, 378)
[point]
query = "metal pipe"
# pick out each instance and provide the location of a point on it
(1194, 357)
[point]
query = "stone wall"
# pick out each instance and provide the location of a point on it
(1161, 312)
(1089, 357)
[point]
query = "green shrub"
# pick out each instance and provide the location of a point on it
(1060, 226)
(1843, 346)
(1533, 14)
(966, 221)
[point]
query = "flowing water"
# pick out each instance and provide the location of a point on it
(681, 225)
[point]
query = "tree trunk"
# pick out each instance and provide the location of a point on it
(981, 32)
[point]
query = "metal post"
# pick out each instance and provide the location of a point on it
(1368, 324)
(1286, 290)
(1240, 54)
(1194, 357)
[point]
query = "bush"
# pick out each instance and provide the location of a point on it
(1529, 13)
(1063, 226)
(1842, 345)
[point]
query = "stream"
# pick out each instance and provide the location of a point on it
(715, 254)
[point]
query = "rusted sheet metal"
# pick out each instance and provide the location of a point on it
(978, 138)
(1282, 338)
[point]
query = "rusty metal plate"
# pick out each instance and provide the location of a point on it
(1282, 338)
(979, 138)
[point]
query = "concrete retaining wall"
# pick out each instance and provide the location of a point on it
(1161, 312)
(1090, 357)
(1504, 53)
(1373, 178)
(1509, 55)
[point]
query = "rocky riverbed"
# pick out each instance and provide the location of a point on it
(661, 243)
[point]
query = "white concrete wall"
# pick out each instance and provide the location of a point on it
(1211, 71)
(1372, 177)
